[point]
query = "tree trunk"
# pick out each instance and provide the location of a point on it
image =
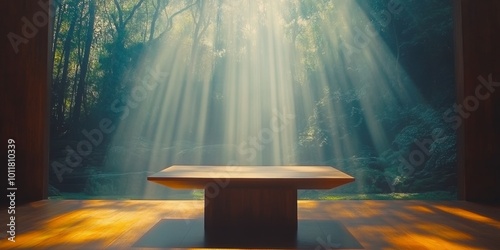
(213, 129)
(155, 18)
(61, 87)
(56, 31)
(196, 38)
(84, 65)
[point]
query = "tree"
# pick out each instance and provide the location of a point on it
(84, 65)
(61, 83)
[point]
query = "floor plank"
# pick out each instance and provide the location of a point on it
(112, 224)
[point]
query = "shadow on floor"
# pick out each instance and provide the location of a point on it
(311, 234)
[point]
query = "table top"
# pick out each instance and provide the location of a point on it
(299, 177)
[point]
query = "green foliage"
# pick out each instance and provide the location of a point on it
(362, 117)
(424, 155)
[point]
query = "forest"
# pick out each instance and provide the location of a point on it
(361, 85)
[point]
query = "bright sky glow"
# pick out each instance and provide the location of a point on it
(232, 96)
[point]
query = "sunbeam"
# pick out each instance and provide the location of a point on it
(255, 82)
(237, 104)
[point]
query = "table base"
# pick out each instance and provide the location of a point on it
(250, 209)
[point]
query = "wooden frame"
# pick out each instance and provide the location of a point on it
(24, 91)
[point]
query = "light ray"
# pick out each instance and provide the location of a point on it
(243, 95)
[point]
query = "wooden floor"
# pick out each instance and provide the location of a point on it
(95, 224)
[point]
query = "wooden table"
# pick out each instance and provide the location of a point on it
(251, 198)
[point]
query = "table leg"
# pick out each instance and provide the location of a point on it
(251, 209)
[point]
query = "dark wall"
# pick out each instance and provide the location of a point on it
(24, 99)
(480, 150)
(24, 91)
